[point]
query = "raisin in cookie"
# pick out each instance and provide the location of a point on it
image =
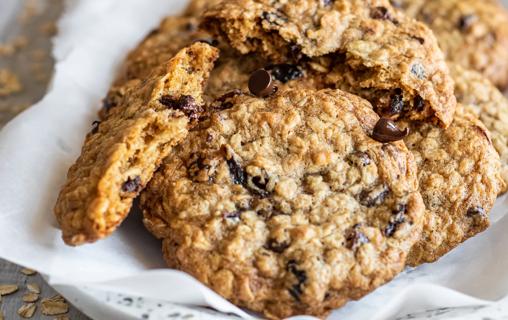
(372, 49)
(120, 155)
(286, 205)
(481, 97)
(471, 33)
(459, 177)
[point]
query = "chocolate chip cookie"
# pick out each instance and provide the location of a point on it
(471, 33)
(480, 97)
(370, 49)
(121, 153)
(286, 204)
(459, 176)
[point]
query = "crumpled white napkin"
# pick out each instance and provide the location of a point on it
(38, 146)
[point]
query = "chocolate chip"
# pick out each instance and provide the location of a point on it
(285, 72)
(132, 185)
(185, 103)
(95, 127)
(386, 131)
(236, 171)
(382, 13)
(476, 211)
(261, 83)
(398, 217)
(301, 276)
(397, 102)
(371, 198)
(355, 238)
(418, 70)
(277, 247)
(419, 103)
(295, 52)
(212, 42)
(466, 21)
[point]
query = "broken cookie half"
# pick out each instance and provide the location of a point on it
(362, 46)
(120, 154)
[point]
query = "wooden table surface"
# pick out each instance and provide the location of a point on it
(26, 26)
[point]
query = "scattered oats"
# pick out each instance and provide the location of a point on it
(30, 297)
(60, 318)
(33, 287)
(54, 306)
(27, 310)
(48, 29)
(28, 272)
(9, 83)
(6, 289)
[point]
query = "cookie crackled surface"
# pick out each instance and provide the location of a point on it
(285, 204)
(121, 153)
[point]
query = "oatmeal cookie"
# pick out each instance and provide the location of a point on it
(482, 98)
(471, 33)
(286, 205)
(459, 177)
(121, 153)
(370, 48)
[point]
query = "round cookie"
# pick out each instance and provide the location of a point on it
(286, 205)
(459, 178)
(471, 33)
(480, 97)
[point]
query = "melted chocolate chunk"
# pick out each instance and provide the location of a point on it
(186, 104)
(476, 211)
(285, 72)
(355, 238)
(398, 217)
(397, 102)
(237, 173)
(419, 39)
(258, 185)
(95, 127)
(295, 52)
(382, 13)
(466, 21)
(277, 247)
(386, 131)
(221, 103)
(375, 197)
(419, 103)
(132, 185)
(296, 290)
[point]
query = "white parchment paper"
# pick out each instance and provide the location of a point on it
(38, 146)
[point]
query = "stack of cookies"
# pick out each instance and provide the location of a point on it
(296, 155)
